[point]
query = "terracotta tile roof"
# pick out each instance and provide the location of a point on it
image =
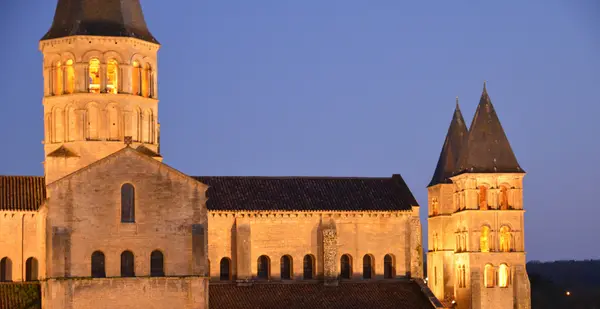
(24, 193)
(231, 193)
(104, 18)
(347, 295)
(20, 295)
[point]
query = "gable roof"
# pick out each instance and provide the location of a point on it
(22, 193)
(63, 151)
(236, 193)
(487, 149)
(456, 139)
(121, 18)
(374, 295)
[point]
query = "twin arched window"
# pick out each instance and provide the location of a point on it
(491, 278)
(127, 203)
(142, 80)
(505, 239)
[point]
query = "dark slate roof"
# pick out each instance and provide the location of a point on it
(487, 149)
(22, 193)
(456, 138)
(121, 18)
(20, 295)
(63, 151)
(347, 295)
(231, 193)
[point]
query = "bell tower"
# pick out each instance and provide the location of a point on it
(477, 235)
(100, 84)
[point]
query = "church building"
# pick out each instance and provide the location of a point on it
(109, 225)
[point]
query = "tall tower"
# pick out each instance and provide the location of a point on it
(477, 234)
(100, 84)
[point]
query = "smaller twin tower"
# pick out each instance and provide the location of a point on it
(476, 254)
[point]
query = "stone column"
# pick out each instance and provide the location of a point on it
(81, 77)
(330, 271)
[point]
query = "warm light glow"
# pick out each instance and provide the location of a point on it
(434, 206)
(503, 198)
(112, 76)
(146, 81)
(483, 204)
(136, 78)
(488, 276)
(503, 276)
(568, 293)
(70, 78)
(484, 244)
(58, 79)
(94, 75)
(505, 238)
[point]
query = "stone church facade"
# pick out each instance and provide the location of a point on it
(110, 225)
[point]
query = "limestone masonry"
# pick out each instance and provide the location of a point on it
(110, 225)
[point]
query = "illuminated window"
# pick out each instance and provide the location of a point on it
(484, 241)
(264, 267)
(503, 276)
(157, 264)
(94, 76)
(505, 239)
(147, 81)
(309, 267)
(127, 264)
(503, 198)
(435, 241)
(483, 204)
(225, 269)
(346, 266)
(70, 78)
(58, 79)
(286, 267)
(389, 270)
(98, 268)
(136, 78)
(434, 206)
(112, 76)
(367, 267)
(488, 276)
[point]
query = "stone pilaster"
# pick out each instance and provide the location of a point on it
(330, 272)
(416, 248)
(243, 249)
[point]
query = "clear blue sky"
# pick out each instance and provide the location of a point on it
(355, 88)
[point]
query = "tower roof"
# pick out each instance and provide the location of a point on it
(487, 149)
(122, 18)
(456, 138)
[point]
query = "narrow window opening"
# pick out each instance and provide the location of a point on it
(308, 267)
(5, 270)
(98, 268)
(31, 269)
(70, 77)
(127, 264)
(225, 269)
(157, 264)
(389, 270)
(127, 203)
(263, 270)
(367, 267)
(94, 76)
(346, 267)
(112, 76)
(286, 267)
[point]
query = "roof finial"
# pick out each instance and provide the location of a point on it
(457, 108)
(484, 82)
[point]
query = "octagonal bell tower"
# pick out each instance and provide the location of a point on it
(100, 84)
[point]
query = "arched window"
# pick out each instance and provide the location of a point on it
(434, 206)
(5, 270)
(309, 267)
(113, 122)
(488, 276)
(367, 267)
(59, 123)
(92, 122)
(127, 203)
(264, 267)
(346, 266)
(484, 239)
(389, 268)
(147, 81)
(98, 268)
(503, 198)
(112, 76)
(58, 79)
(505, 239)
(462, 276)
(136, 78)
(70, 77)
(49, 130)
(31, 269)
(71, 124)
(483, 203)
(94, 75)
(157, 266)
(225, 269)
(286, 267)
(503, 276)
(127, 264)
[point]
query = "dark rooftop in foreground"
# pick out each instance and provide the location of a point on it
(347, 295)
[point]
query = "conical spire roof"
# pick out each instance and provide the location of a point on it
(487, 149)
(122, 18)
(456, 138)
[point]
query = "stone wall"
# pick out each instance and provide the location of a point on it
(26, 240)
(132, 293)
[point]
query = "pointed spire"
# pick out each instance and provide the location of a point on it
(487, 149)
(121, 18)
(456, 138)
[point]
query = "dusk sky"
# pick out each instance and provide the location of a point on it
(355, 88)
